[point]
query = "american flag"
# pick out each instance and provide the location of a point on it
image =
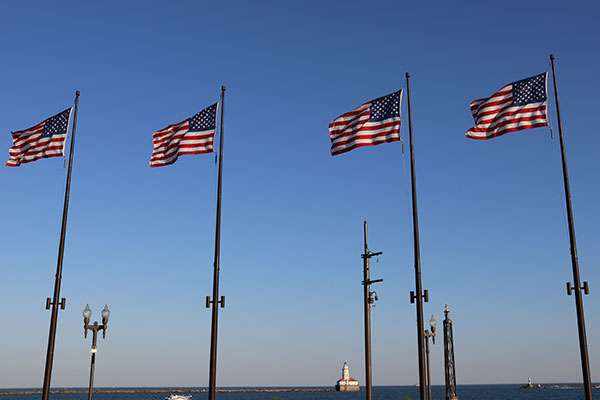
(193, 136)
(518, 105)
(375, 122)
(46, 139)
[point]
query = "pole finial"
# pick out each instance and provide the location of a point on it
(77, 93)
(223, 88)
(552, 57)
(408, 75)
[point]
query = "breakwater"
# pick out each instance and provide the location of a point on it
(165, 390)
(539, 386)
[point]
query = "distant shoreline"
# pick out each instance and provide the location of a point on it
(161, 390)
(83, 390)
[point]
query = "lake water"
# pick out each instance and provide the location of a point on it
(465, 392)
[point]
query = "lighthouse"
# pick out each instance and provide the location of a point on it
(347, 384)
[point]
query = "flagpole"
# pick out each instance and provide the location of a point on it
(212, 378)
(418, 284)
(585, 365)
(55, 302)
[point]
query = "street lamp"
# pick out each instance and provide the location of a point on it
(368, 304)
(449, 368)
(87, 313)
(428, 334)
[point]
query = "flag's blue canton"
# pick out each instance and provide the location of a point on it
(57, 124)
(385, 107)
(204, 120)
(530, 90)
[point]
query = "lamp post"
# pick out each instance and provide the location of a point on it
(450, 370)
(368, 304)
(87, 313)
(428, 334)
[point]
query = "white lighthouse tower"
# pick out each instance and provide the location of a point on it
(346, 384)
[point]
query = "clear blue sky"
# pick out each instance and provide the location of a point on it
(493, 233)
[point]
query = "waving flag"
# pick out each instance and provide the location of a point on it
(375, 122)
(518, 105)
(195, 135)
(46, 139)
